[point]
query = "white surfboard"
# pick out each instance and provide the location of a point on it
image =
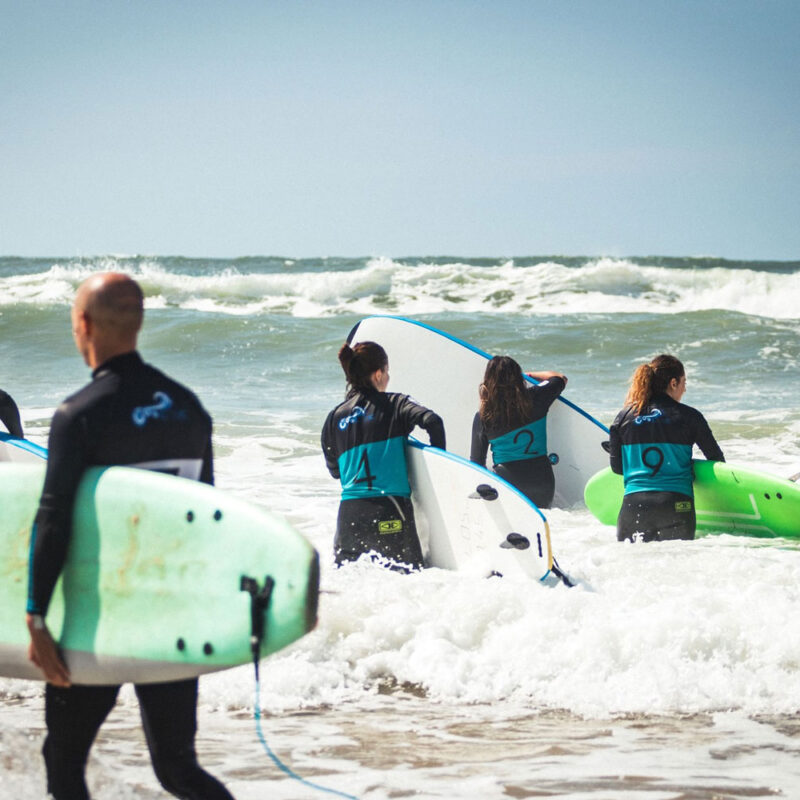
(12, 448)
(470, 519)
(444, 373)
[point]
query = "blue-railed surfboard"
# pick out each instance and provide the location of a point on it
(155, 583)
(470, 519)
(12, 448)
(728, 499)
(443, 373)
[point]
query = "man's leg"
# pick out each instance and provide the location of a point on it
(73, 716)
(169, 717)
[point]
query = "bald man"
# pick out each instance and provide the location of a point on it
(129, 414)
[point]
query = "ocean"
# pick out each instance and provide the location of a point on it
(670, 671)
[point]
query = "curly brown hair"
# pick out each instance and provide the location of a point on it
(504, 397)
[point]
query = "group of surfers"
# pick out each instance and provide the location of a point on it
(650, 445)
(363, 440)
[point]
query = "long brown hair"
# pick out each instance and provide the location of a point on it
(504, 399)
(360, 362)
(652, 379)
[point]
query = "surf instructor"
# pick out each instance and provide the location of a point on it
(650, 445)
(364, 440)
(129, 414)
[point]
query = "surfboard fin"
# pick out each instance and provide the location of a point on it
(515, 541)
(485, 492)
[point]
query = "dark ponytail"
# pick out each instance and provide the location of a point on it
(652, 379)
(360, 362)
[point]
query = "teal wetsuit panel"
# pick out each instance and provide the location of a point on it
(374, 469)
(657, 467)
(527, 441)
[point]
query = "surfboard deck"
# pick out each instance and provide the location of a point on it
(443, 373)
(152, 587)
(470, 519)
(728, 499)
(12, 448)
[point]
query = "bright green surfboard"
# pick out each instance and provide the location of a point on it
(728, 499)
(152, 587)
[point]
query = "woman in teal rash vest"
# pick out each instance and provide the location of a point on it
(512, 422)
(364, 440)
(650, 445)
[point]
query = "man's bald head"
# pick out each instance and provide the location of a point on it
(112, 300)
(106, 316)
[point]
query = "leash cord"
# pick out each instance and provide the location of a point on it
(278, 763)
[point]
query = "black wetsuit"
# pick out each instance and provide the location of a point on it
(9, 414)
(364, 440)
(129, 414)
(519, 449)
(652, 450)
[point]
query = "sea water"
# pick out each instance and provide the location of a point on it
(671, 670)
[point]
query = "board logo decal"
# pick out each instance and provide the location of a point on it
(390, 526)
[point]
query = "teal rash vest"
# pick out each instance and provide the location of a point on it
(652, 448)
(364, 439)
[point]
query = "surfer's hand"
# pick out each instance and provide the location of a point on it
(43, 651)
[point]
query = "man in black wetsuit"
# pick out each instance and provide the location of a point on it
(129, 414)
(9, 414)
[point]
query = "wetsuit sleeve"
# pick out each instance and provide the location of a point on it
(480, 442)
(416, 415)
(547, 391)
(706, 441)
(9, 414)
(52, 527)
(615, 447)
(327, 440)
(434, 425)
(207, 470)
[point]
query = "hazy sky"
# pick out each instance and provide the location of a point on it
(494, 128)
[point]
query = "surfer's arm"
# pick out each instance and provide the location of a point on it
(615, 449)
(410, 414)
(43, 652)
(434, 425)
(9, 414)
(327, 440)
(207, 470)
(52, 527)
(480, 442)
(706, 441)
(547, 376)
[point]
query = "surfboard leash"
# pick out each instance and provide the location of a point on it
(259, 603)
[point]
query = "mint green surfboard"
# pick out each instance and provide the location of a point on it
(152, 587)
(728, 499)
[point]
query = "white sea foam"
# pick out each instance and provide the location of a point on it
(381, 285)
(677, 627)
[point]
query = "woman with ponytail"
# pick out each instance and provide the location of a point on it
(512, 421)
(650, 445)
(364, 440)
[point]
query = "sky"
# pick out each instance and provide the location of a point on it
(431, 127)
